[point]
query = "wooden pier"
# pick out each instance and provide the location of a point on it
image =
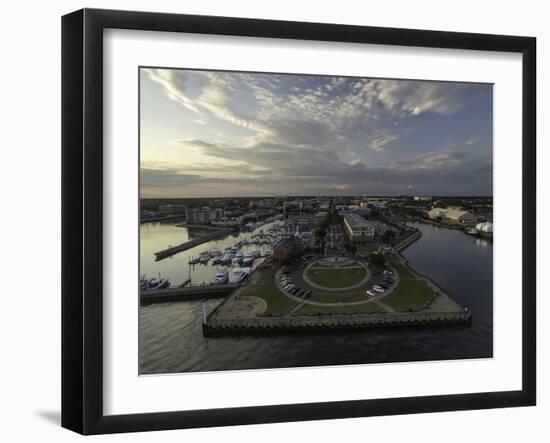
(192, 243)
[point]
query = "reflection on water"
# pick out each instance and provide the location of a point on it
(171, 336)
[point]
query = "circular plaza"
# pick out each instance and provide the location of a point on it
(330, 282)
(336, 274)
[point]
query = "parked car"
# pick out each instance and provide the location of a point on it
(307, 294)
(371, 293)
(378, 288)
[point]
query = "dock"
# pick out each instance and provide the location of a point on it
(192, 243)
(186, 293)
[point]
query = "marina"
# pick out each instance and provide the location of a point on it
(201, 259)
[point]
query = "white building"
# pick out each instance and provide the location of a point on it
(198, 216)
(358, 229)
(485, 227)
(452, 215)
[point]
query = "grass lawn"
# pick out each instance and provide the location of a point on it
(403, 271)
(277, 303)
(368, 308)
(344, 298)
(409, 294)
(336, 278)
(369, 248)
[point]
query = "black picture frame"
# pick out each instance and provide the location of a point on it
(82, 218)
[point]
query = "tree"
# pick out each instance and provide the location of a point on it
(377, 260)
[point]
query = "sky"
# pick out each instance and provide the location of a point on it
(229, 134)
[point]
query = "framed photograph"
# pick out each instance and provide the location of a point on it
(270, 221)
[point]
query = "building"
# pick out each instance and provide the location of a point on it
(304, 221)
(199, 216)
(486, 227)
(422, 199)
(297, 206)
(452, 215)
(359, 230)
(217, 214)
(266, 203)
(172, 209)
(320, 216)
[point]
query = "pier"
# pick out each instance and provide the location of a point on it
(192, 243)
(186, 293)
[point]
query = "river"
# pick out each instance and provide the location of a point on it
(171, 335)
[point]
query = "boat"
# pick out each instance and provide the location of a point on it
(222, 276)
(227, 257)
(143, 284)
(248, 259)
(214, 260)
(239, 275)
(204, 257)
(255, 253)
(239, 255)
(159, 283)
(236, 261)
(251, 226)
(472, 231)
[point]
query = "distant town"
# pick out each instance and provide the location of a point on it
(364, 218)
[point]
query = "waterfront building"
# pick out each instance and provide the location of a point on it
(359, 230)
(453, 215)
(485, 227)
(199, 216)
(422, 199)
(217, 214)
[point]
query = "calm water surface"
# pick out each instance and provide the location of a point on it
(171, 336)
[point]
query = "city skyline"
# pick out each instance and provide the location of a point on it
(209, 134)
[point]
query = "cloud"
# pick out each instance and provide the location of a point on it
(314, 133)
(174, 84)
(378, 143)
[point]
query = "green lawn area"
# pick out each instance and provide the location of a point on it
(336, 278)
(368, 308)
(403, 271)
(277, 303)
(369, 248)
(409, 294)
(345, 298)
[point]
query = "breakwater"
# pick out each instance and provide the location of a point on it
(192, 243)
(213, 327)
(186, 293)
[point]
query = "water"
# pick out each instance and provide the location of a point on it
(171, 336)
(157, 236)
